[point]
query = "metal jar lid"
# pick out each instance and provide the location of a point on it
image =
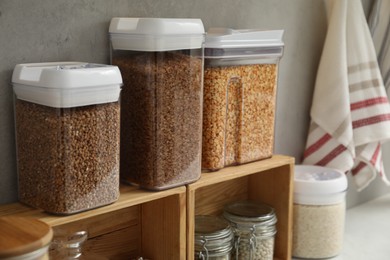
(252, 216)
(213, 235)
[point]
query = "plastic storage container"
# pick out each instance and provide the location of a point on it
(24, 239)
(213, 238)
(240, 83)
(161, 61)
(254, 227)
(319, 212)
(67, 131)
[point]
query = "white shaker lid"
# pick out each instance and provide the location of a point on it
(318, 185)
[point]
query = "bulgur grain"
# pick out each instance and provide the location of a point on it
(238, 114)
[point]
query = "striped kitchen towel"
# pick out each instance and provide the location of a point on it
(379, 23)
(350, 113)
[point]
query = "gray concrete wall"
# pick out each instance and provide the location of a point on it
(63, 30)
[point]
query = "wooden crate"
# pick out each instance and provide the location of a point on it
(270, 181)
(160, 225)
(140, 223)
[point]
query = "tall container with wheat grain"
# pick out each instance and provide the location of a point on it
(240, 84)
(161, 61)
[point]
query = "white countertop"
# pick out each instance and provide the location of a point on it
(367, 231)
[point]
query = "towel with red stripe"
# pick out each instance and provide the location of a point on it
(350, 113)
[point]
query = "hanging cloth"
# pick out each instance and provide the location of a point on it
(350, 113)
(379, 23)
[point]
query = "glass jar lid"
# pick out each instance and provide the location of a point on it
(250, 213)
(213, 233)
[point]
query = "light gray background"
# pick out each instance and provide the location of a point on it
(63, 30)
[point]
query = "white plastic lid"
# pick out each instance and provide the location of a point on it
(317, 185)
(67, 84)
(230, 38)
(156, 34)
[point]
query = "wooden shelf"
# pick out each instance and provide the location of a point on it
(160, 224)
(130, 227)
(268, 180)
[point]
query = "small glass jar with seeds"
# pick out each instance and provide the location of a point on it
(318, 212)
(161, 60)
(213, 238)
(67, 117)
(254, 227)
(240, 83)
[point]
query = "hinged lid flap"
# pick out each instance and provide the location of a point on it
(229, 43)
(230, 38)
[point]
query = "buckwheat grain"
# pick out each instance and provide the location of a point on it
(68, 158)
(161, 119)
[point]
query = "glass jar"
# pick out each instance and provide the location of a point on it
(254, 227)
(318, 212)
(161, 61)
(67, 117)
(213, 238)
(24, 239)
(67, 247)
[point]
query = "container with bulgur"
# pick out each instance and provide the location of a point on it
(240, 83)
(67, 119)
(161, 61)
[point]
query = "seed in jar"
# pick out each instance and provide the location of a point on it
(318, 230)
(261, 248)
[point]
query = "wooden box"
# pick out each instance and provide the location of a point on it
(160, 225)
(140, 223)
(269, 181)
